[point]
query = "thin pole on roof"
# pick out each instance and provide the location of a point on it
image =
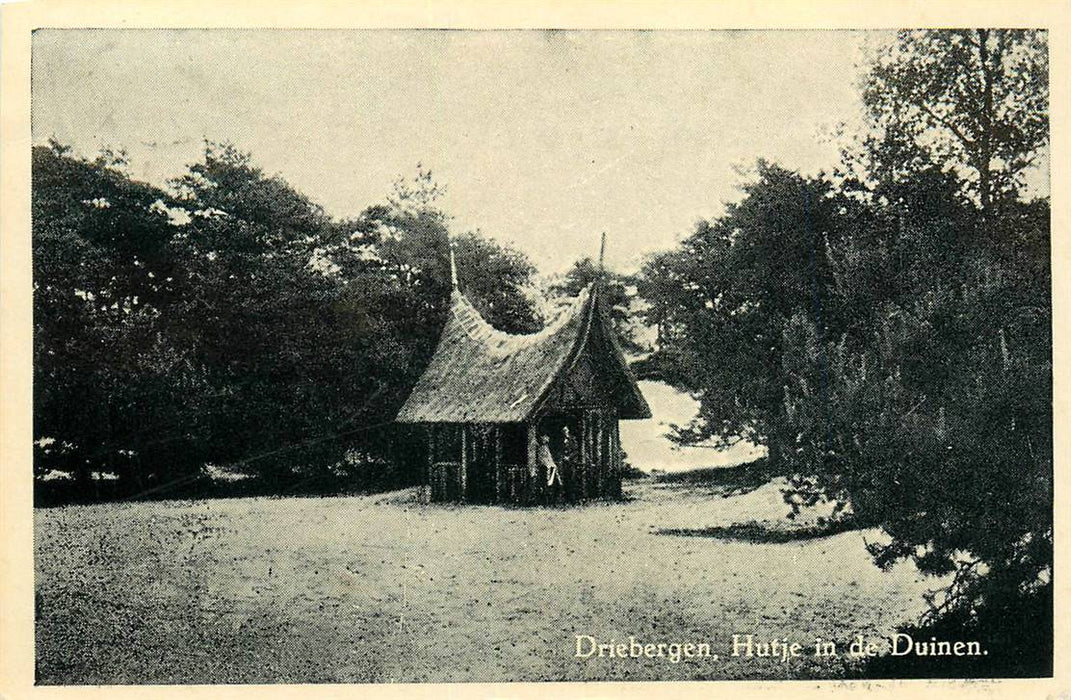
(602, 252)
(453, 267)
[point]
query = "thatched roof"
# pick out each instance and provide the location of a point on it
(482, 375)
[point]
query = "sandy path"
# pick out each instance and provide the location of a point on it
(381, 589)
(647, 447)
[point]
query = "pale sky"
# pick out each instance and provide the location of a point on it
(543, 139)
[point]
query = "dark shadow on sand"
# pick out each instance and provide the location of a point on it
(760, 533)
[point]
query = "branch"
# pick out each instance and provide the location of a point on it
(951, 127)
(953, 592)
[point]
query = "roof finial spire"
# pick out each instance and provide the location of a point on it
(602, 252)
(453, 268)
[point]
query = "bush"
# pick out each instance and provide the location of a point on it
(1016, 631)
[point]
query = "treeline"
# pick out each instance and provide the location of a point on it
(886, 331)
(227, 321)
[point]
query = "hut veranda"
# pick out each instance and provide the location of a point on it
(525, 419)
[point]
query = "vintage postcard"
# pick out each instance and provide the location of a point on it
(445, 349)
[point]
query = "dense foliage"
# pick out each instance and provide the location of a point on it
(886, 332)
(229, 321)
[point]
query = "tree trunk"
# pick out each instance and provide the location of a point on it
(985, 140)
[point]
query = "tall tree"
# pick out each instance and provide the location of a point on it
(973, 99)
(888, 337)
(931, 417)
(256, 314)
(104, 277)
(723, 298)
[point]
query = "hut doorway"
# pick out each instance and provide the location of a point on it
(563, 431)
(586, 446)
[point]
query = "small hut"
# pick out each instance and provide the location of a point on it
(495, 406)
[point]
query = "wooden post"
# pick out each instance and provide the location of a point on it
(593, 438)
(533, 463)
(585, 453)
(431, 461)
(463, 475)
(593, 455)
(600, 459)
(618, 466)
(499, 476)
(581, 457)
(608, 428)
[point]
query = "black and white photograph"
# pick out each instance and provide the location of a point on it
(450, 355)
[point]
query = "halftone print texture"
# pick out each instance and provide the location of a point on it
(406, 356)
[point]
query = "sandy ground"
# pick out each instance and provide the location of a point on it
(380, 589)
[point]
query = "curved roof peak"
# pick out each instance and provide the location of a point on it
(479, 374)
(476, 326)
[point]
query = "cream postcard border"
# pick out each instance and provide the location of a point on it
(16, 491)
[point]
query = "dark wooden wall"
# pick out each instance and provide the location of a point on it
(488, 463)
